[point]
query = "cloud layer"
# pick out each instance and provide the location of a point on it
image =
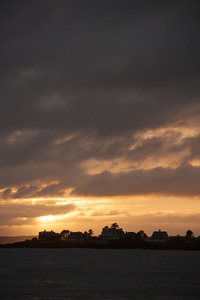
(99, 98)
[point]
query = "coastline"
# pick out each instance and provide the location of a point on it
(99, 244)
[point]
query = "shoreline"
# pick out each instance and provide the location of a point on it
(99, 244)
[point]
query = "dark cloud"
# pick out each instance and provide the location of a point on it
(113, 67)
(102, 72)
(7, 193)
(182, 181)
(62, 164)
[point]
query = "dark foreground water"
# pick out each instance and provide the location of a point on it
(99, 274)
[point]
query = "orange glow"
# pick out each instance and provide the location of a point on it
(20, 134)
(66, 139)
(195, 162)
(49, 218)
(131, 212)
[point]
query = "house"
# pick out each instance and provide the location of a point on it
(112, 233)
(75, 236)
(159, 236)
(48, 235)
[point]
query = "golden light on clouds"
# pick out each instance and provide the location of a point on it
(195, 162)
(20, 135)
(169, 155)
(66, 139)
(132, 213)
(93, 166)
(180, 131)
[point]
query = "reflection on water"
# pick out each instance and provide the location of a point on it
(99, 274)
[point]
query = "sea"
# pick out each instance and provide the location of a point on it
(99, 274)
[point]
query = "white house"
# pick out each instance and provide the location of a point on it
(48, 235)
(112, 233)
(159, 236)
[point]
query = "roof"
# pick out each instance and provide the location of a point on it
(159, 235)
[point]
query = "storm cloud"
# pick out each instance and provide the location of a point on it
(99, 98)
(183, 181)
(107, 67)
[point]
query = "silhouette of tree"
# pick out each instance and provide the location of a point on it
(114, 226)
(90, 232)
(189, 236)
(189, 233)
(64, 234)
(85, 234)
(141, 235)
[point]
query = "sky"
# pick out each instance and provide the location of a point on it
(99, 115)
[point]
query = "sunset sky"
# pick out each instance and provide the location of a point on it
(99, 115)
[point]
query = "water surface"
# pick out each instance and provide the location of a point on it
(99, 274)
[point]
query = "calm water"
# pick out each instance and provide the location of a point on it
(99, 274)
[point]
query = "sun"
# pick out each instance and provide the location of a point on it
(48, 218)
